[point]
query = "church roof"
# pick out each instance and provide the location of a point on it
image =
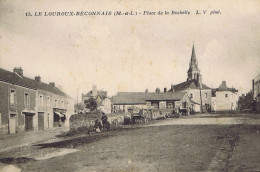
(193, 61)
(192, 84)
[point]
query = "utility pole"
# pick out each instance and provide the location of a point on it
(77, 100)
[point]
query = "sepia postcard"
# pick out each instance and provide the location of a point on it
(131, 86)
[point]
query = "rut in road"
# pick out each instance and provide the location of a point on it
(221, 160)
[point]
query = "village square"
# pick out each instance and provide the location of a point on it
(44, 128)
(131, 86)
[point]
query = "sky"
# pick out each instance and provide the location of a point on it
(131, 53)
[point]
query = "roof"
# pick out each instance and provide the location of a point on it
(187, 84)
(129, 98)
(134, 98)
(193, 61)
(165, 96)
(13, 78)
(223, 87)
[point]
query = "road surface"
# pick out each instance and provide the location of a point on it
(207, 142)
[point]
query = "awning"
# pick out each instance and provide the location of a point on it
(60, 114)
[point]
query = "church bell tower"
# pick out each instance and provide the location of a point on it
(194, 71)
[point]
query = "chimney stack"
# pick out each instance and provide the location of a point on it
(165, 90)
(52, 84)
(146, 91)
(172, 87)
(18, 70)
(38, 78)
(157, 90)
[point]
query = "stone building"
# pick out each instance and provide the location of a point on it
(224, 98)
(199, 93)
(29, 104)
(124, 101)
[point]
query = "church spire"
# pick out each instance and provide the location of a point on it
(194, 70)
(193, 60)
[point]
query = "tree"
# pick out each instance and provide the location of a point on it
(91, 104)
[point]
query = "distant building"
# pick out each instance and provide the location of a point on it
(29, 104)
(148, 100)
(125, 100)
(256, 92)
(103, 101)
(167, 100)
(224, 98)
(198, 92)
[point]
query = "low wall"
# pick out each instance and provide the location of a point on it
(83, 121)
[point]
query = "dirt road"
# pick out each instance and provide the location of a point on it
(170, 145)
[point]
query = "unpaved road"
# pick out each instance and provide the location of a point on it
(170, 145)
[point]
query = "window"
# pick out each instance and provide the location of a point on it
(226, 95)
(41, 100)
(169, 105)
(191, 95)
(48, 102)
(155, 105)
(206, 95)
(12, 97)
(26, 99)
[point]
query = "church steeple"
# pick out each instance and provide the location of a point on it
(194, 70)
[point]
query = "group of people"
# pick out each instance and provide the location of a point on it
(103, 124)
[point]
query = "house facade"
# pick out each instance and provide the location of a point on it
(224, 98)
(167, 100)
(29, 104)
(199, 93)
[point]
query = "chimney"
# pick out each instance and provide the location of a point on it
(146, 91)
(157, 90)
(52, 84)
(18, 70)
(172, 87)
(94, 90)
(165, 90)
(38, 78)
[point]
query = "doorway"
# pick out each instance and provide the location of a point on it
(12, 124)
(28, 121)
(41, 120)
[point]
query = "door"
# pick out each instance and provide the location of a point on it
(28, 122)
(40, 120)
(12, 123)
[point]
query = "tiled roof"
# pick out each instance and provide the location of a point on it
(187, 84)
(223, 87)
(165, 96)
(133, 98)
(129, 98)
(13, 78)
